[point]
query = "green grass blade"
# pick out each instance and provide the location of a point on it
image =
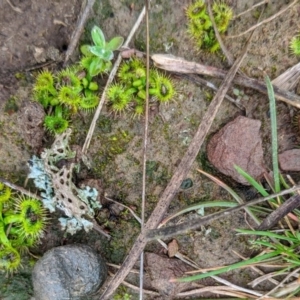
(238, 265)
(232, 193)
(252, 181)
(274, 134)
(268, 234)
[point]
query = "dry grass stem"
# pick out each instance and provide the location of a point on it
(280, 285)
(136, 288)
(228, 55)
(79, 28)
(255, 268)
(251, 8)
(264, 21)
(199, 80)
(14, 8)
(289, 79)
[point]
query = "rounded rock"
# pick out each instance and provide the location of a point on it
(68, 272)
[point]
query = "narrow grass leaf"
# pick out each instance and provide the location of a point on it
(273, 134)
(252, 181)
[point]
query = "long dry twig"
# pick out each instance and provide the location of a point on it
(78, 30)
(289, 79)
(264, 21)
(180, 173)
(109, 81)
(145, 144)
(180, 65)
(15, 8)
(251, 8)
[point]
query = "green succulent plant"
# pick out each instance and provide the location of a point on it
(97, 58)
(129, 93)
(22, 223)
(73, 89)
(200, 27)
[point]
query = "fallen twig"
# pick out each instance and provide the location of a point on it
(289, 79)
(15, 8)
(180, 173)
(180, 65)
(251, 8)
(264, 21)
(78, 30)
(279, 213)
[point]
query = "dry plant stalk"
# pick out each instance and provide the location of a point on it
(180, 65)
(78, 30)
(264, 21)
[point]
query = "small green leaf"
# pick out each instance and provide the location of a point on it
(98, 37)
(86, 61)
(85, 50)
(101, 53)
(96, 66)
(115, 43)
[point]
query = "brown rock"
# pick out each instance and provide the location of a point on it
(238, 143)
(289, 160)
(161, 270)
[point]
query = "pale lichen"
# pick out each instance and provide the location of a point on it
(58, 189)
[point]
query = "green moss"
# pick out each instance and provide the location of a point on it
(104, 124)
(204, 163)
(11, 105)
(111, 145)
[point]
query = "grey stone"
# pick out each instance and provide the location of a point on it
(238, 143)
(68, 272)
(289, 160)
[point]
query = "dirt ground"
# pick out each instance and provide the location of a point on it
(40, 33)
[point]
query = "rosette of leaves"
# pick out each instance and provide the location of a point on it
(97, 57)
(129, 93)
(200, 27)
(22, 223)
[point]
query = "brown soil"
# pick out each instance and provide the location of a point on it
(40, 34)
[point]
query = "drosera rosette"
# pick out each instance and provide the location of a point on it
(29, 218)
(129, 92)
(295, 45)
(44, 90)
(73, 89)
(118, 99)
(22, 223)
(5, 193)
(200, 27)
(161, 87)
(57, 123)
